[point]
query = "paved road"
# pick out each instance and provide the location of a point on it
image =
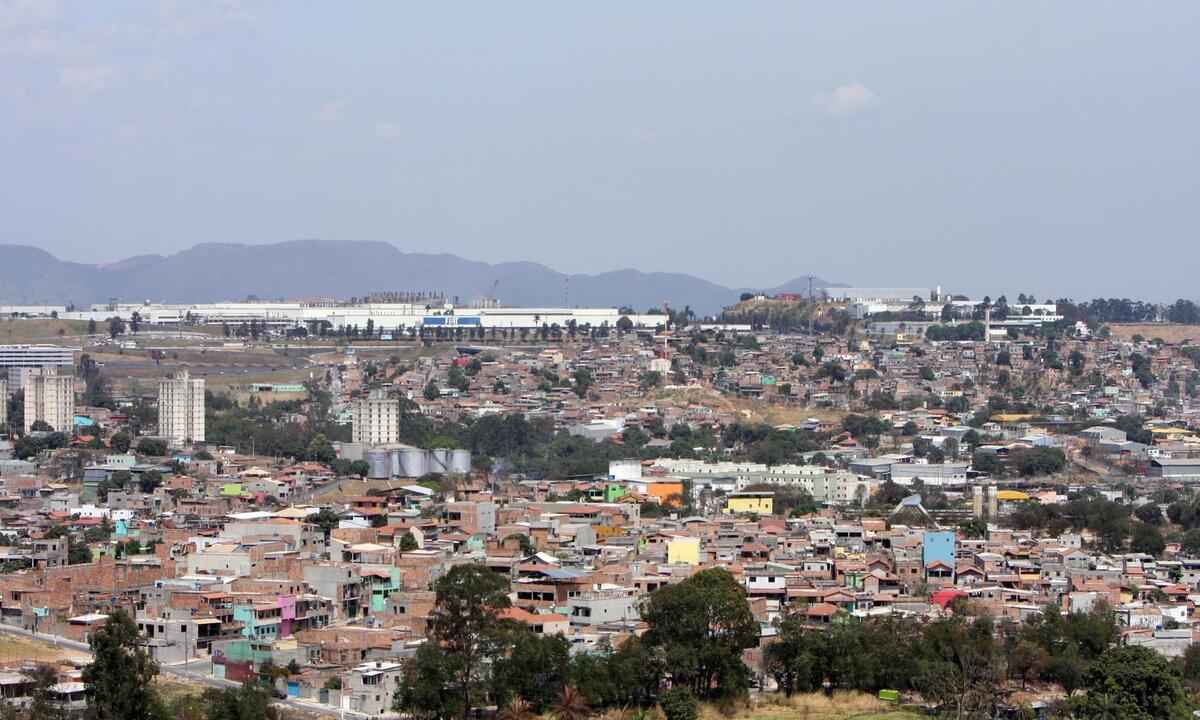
(195, 671)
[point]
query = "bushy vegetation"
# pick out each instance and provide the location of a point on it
(945, 333)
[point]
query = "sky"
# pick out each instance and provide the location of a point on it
(1048, 148)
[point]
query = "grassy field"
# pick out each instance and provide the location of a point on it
(815, 706)
(18, 331)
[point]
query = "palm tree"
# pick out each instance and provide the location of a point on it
(516, 709)
(571, 705)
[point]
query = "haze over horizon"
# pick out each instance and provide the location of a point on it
(985, 148)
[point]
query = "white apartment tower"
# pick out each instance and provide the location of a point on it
(181, 408)
(50, 397)
(4, 401)
(377, 419)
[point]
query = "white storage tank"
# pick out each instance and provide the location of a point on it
(379, 464)
(440, 461)
(460, 462)
(414, 463)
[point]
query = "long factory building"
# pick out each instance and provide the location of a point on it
(384, 316)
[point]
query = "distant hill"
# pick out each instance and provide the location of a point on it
(213, 272)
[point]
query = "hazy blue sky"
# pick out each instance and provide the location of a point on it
(1046, 147)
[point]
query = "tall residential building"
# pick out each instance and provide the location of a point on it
(181, 408)
(50, 398)
(377, 419)
(3, 401)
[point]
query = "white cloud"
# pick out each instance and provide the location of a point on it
(847, 100)
(389, 130)
(86, 79)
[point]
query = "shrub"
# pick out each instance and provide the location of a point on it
(678, 703)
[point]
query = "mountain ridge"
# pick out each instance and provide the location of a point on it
(221, 271)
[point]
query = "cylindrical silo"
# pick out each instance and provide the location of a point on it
(439, 461)
(394, 462)
(460, 462)
(379, 464)
(415, 462)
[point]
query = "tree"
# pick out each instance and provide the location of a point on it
(962, 671)
(149, 481)
(535, 670)
(120, 442)
(445, 678)
(1191, 542)
(702, 625)
(320, 449)
(1027, 660)
(650, 380)
(431, 391)
(116, 326)
(78, 553)
(152, 447)
(118, 680)
(248, 702)
(91, 326)
(458, 380)
(1147, 539)
(1149, 514)
(408, 543)
(789, 659)
(583, 381)
(327, 520)
(1131, 682)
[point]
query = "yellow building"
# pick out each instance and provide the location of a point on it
(762, 503)
(683, 551)
(1011, 496)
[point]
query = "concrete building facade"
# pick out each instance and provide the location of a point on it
(376, 419)
(50, 398)
(181, 408)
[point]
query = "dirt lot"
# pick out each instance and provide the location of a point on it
(221, 368)
(755, 410)
(1169, 332)
(16, 649)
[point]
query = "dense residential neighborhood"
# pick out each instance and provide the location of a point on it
(925, 474)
